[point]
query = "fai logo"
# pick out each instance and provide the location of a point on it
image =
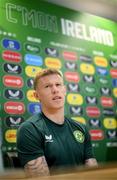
(79, 136)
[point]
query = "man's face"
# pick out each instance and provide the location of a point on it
(51, 92)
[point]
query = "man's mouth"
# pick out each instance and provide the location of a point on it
(56, 98)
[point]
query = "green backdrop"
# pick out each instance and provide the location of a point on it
(38, 34)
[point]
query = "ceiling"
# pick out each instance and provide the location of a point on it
(102, 8)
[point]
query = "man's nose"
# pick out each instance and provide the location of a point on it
(54, 89)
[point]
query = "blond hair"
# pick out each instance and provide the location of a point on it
(45, 72)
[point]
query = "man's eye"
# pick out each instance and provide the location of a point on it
(58, 84)
(47, 86)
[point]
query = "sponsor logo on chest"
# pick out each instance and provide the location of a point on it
(48, 138)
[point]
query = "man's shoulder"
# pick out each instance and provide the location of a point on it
(35, 118)
(32, 121)
(81, 126)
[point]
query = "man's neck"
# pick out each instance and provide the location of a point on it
(56, 116)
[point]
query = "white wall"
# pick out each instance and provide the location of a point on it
(102, 8)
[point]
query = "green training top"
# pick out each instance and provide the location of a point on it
(66, 145)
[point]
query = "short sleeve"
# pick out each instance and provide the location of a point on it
(29, 143)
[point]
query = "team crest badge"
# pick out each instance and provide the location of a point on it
(79, 136)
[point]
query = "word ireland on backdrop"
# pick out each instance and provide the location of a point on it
(47, 22)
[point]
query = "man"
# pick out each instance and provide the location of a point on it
(48, 140)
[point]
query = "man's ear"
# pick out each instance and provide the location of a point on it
(36, 95)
